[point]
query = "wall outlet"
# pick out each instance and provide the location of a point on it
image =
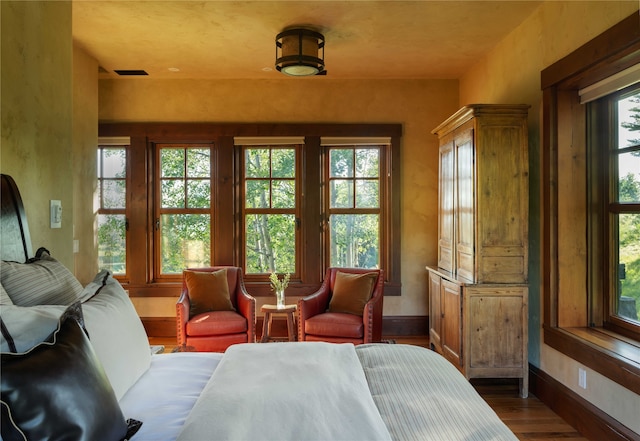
(582, 378)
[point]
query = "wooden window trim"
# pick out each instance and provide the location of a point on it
(563, 127)
(141, 283)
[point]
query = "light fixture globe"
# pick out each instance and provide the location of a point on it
(300, 52)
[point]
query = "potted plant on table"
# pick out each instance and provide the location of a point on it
(278, 286)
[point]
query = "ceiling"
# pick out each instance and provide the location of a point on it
(236, 40)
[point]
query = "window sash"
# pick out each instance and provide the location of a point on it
(183, 208)
(345, 250)
(112, 224)
(275, 209)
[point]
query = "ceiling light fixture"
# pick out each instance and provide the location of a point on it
(300, 52)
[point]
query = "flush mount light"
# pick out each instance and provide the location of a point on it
(300, 52)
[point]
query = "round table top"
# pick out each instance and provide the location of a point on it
(274, 308)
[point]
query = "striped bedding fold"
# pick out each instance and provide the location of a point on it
(421, 396)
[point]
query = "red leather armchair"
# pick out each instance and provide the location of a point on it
(315, 323)
(215, 331)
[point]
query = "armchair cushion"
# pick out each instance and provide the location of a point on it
(216, 323)
(351, 292)
(208, 291)
(332, 324)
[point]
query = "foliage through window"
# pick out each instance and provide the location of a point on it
(112, 217)
(184, 214)
(624, 208)
(270, 209)
(354, 206)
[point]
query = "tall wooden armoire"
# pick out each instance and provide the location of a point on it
(478, 290)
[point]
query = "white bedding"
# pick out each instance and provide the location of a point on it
(419, 395)
(293, 391)
(163, 397)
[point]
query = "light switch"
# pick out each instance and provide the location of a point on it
(56, 213)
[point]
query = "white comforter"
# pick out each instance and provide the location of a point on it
(166, 393)
(249, 396)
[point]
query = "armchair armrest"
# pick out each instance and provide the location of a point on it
(183, 306)
(372, 315)
(313, 304)
(247, 308)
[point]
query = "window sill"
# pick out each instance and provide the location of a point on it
(610, 354)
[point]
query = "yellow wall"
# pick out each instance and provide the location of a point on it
(419, 105)
(37, 114)
(85, 134)
(511, 73)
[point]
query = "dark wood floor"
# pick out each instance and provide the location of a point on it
(528, 418)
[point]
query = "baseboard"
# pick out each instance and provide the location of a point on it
(397, 325)
(159, 326)
(586, 418)
(391, 325)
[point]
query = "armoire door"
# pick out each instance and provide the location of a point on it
(465, 204)
(446, 207)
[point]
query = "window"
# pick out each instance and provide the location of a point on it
(615, 148)
(183, 210)
(588, 213)
(288, 198)
(112, 206)
(354, 206)
(271, 217)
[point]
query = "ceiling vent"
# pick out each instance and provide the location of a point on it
(132, 72)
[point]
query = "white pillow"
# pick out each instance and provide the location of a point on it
(115, 330)
(41, 281)
(28, 326)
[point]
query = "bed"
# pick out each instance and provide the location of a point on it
(76, 364)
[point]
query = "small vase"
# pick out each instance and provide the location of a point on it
(280, 299)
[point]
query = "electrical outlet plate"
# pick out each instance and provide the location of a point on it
(582, 378)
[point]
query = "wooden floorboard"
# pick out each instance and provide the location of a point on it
(528, 418)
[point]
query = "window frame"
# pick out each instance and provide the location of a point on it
(298, 148)
(226, 176)
(115, 143)
(382, 210)
(603, 178)
(566, 324)
(159, 211)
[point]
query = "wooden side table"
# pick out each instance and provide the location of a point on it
(269, 310)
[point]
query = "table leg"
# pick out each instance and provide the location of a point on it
(291, 321)
(266, 327)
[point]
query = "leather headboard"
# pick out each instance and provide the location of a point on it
(15, 240)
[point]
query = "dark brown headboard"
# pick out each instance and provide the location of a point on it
(15, 240)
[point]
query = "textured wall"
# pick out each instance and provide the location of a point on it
(418, 105)
(85, 137)
(36, 115)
